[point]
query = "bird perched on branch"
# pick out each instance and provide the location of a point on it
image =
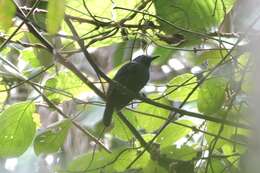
(133, 76)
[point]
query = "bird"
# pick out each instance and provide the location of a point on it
(134, 76)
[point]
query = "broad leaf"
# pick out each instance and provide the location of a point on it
(52, 138)
(185, 153)
(127, 157)
(119, 55)
(64, 86)
(17, 129)
(212, 57)
(214, 128)
(45, 58)
(211, 95)
(86, 162)
(29, 56)
(181, 86)
(229, 149)
(195, 15)
(173, 133)
(148, 122)
(153, 167)
(113, 162)
(3, 93)
(55, 15)
(7, 11)
(120, 130)
(217, 165)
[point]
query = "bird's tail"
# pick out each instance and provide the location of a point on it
(107, 117)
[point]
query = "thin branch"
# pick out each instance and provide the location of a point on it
(19, 27)
(198, 34)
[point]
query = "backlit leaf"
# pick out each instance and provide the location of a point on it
(17, 129)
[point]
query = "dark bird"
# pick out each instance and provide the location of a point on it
(134, 76)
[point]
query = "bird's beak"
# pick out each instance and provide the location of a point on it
(155, 57)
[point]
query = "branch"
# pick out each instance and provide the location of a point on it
(69, 66)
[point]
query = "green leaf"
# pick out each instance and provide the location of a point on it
(120, 130)
(82, 162)
(185, 153)
(7, 11)
(124, 160)
(29, 56)
(173, 133)
(154, 167)
(214, 128)
(212, 57)
(229, 150)
(102, 160)
(233, 133)
(127, 157)
(64, 86)
(44, 57)
(217, 165)
(55, 15)
(3, 93)
(182, 167)
(52, 138)
(17, 129)
(181, 86)
(193, 15)
(148, 122)
(40, 18)
(211, 95)
(119, 55)
(105, 13)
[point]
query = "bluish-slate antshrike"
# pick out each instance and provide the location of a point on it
(133, 76)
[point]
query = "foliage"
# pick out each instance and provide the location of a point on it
(53, 80)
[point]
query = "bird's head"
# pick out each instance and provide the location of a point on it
(144, 59)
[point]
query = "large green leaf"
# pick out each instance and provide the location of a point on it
(45, 58)
(119, 54)
(87, 161)
(3, 93)
(212, 95)
(29, 56)
(153, 167)
(173, 133)
(113, 162)
(195, 15)
(233, 133)
(214, 128)
(55, 15)
(217, 165)
(212, 57)
(229, 149)
(7, 11)
(52, 138)
(185, 153)
(181, 86)
(120, 130)
(150, 123)
(17, 129)
(64, 86)
(127, 157)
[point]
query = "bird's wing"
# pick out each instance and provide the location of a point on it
(133, 76)
(125, 72)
